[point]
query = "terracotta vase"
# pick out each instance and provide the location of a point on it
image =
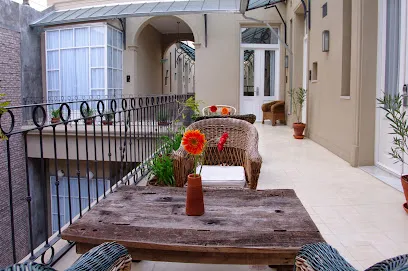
(404, 182)
(195, 196)
(55, 120)
(298, 129)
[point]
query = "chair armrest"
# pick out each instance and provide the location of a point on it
(321, 257)
(183, 165)
(253, 163)
(278, 106)
(398, 263)
(108, 256)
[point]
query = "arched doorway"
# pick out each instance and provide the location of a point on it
(165, 57)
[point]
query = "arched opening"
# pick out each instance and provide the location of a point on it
(165, 57)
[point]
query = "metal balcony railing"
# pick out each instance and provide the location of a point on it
(53, 170)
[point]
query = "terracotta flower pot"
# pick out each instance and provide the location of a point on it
(404, 182)
(55, 120)
(195, 197)
(106, 122)
(89, 121)
(298, 129)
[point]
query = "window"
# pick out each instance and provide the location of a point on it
(324, 10)
(314, 72)
(258, 35)
(64, 197)
(79, 59)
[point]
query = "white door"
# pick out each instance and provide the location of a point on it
(392, 73)
(259, 79)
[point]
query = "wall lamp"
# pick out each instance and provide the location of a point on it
(325, 40)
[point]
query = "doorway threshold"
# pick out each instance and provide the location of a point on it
(384, 176)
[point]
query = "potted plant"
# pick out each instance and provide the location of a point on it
(161, 169)
(108, 119)
(298, 97)
(3, 104)
(190, 110)
(194, 143)
(162, 119)
(395, 113)
(88, 114)
(55, 114)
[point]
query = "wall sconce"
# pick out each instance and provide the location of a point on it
(60, 173)
(325, 40)
(286, 61)
(91, 175)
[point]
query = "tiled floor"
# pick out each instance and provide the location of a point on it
(356, 213)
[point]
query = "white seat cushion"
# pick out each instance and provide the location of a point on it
(227, 176)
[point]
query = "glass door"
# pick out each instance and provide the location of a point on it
(259, 79)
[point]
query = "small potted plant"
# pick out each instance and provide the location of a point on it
(55, 114)
(396, 114)
(161, 169)
(88, 114)
(162, 119)
(108, 119)
(298, 97)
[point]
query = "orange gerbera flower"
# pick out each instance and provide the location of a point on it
(224, 111)
(194, 142)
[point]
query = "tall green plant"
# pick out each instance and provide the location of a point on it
(162, 168)
(395, 113)
(3, 105)
(192, 105)
(298, 97)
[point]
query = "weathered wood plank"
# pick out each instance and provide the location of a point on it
(151, 219)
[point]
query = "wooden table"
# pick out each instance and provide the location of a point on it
(239, 226)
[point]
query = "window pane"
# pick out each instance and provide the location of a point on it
(258, 35)
(82, 71)
(52, 80)
(98, 92)
(110, 78)
(52, 60)
(269, 87)
(115, 58)
(81, 37)
(68, 86)
(249, 72)
(110, 55)
(97, 57)
(98, 35)
(120, 41)
(114, 38)
(97, 78)
(116, 79)
(110, 34)
(120, 59)
(52, 39)
(67, 38)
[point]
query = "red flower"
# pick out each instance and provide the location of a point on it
(213, 109)
(222, 141)
(194, 142)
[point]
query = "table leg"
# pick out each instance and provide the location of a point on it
(282, 267)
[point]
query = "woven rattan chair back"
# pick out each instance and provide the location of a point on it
(207, 110)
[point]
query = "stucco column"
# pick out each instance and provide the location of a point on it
(129, 61)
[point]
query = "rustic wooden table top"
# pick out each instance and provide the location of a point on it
(234, 220)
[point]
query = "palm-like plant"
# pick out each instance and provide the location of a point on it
(298, 97)
(395, 113)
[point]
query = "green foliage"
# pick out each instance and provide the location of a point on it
(173, 144)
(109, 116)
(298, 100)
(193, 105)
(55, 113)
(396, 114)
(162, 168)
(88, 112)
(3, 105)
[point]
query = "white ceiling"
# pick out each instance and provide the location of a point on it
(168, 25)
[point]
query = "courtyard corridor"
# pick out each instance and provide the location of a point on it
(356, 213)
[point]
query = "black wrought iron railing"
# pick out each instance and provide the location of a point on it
(61, 158)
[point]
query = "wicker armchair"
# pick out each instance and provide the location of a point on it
(323, 257)
(206, 110)
(105, 257)
(274, 111)
(251, 118)
(241, 149)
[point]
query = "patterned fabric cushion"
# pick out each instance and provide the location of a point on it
(28, 267)
(399, 263)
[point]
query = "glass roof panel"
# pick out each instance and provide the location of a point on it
(253, 4)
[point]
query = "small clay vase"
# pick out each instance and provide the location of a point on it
(404, 182)
(195, 196)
